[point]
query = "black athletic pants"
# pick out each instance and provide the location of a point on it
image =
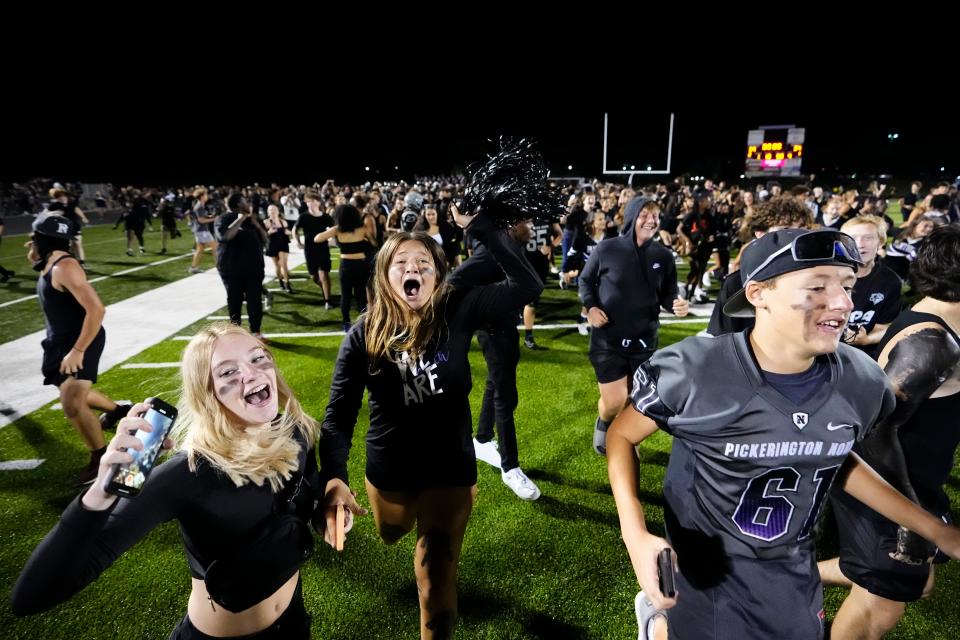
(501, 350)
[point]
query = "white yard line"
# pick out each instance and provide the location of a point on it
(132, 325)
(112, 275)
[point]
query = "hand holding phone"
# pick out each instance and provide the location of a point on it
(126, 479)
(668, 585)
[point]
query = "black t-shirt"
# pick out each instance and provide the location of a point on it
(876, 298)
(721, 323)
(909, 201)
(243, 255)
(311, 225)
(800, 387)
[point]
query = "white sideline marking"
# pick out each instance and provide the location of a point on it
(132, 325)
(112, 275)
(20, 465)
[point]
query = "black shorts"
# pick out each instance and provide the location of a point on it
(293, 623)
(437, 457)
(612, 362)
(866, 541)
(54, 352)
(669, 225)
(317, 262)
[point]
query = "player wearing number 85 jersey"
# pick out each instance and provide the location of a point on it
(763, 423)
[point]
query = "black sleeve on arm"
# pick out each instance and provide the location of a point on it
(346, 396)
(479, 269)
(917, 366)
(522, 285)
(590, 278)
(84, 543)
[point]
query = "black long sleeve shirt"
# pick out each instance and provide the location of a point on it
(213, 514)
(482, 269)
(420, 424)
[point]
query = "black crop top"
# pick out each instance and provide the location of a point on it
(359, 246)
(213, 514)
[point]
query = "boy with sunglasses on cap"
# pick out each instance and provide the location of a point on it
(763, 423)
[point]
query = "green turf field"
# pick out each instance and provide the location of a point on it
(551, 569)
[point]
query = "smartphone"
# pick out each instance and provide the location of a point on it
(126, 480)
(668, 585)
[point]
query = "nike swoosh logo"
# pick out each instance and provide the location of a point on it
(834, 427)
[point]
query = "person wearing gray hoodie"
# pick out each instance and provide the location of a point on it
(624, 284)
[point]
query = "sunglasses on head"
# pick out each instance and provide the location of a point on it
(816, 246)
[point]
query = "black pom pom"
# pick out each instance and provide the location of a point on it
(512, 186)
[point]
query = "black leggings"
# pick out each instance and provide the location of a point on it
(353, 284)
(240, 286)
(293, 623)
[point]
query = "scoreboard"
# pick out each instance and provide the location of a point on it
(774, 151)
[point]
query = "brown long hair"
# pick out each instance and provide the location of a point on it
(391, 327)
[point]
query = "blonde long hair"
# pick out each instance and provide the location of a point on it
(205, 429)
(391, 327)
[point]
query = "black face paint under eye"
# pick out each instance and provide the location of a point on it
(264, 365)
(228, 386)
(809, 308)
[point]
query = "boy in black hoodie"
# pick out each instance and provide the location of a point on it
(623, 286)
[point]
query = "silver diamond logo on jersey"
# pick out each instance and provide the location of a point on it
(876, 298)
(800, 419)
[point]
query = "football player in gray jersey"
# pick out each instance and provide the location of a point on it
(763, 423)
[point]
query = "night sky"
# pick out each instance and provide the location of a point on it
(296, 132)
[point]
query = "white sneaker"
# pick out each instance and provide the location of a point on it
(583, 328)
(523, 486)
(488, 452)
